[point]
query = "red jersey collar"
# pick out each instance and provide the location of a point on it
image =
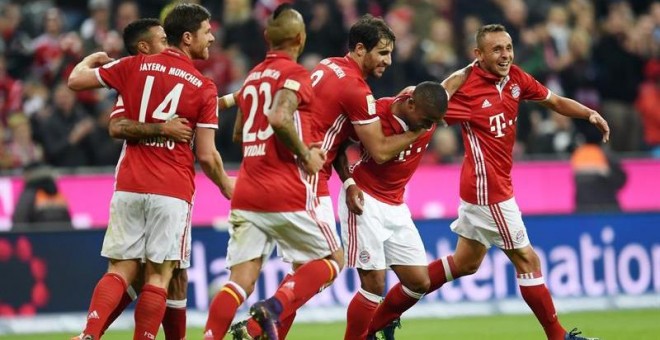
(178, 54)
(278, 54)
(485, 74)
(354, 65)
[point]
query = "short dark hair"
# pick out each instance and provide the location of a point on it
(483, 30)
(431, 97)
(137, 31)
(369, 30)
(184, 17)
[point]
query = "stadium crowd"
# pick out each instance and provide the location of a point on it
(603, 53)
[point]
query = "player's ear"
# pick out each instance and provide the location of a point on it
(360, 49)
(187, 38)
(143, 47)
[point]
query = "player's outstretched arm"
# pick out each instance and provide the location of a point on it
(177, 129)
(571, 108)
(211, 162)
(380, 147)
(83, 76)
(456, 80)
(281, 119)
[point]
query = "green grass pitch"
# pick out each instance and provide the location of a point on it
(639, 324)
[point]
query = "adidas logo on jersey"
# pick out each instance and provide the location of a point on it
(486, 104)
(93, 315)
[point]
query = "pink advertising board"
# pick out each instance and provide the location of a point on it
(540, 187)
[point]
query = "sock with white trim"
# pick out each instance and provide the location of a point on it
(536, 294)
(359, 314)
(398, 300)
(223, 309)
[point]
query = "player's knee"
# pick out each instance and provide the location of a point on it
(374, 285)
(419, 285)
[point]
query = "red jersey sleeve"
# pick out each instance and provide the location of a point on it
(530, 87)
(118, 111)
(459, 109)
(299, 82)
(359, 104)
(208, 117)
(115, 74)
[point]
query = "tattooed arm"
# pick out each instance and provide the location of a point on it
(281, 119)
(124, 128)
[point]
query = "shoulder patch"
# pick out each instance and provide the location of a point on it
(371, 105)
(292, 85)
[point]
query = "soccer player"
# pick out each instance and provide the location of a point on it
(151, 206)
(382, 234)
(487, 108)
(272, 202)
(349, 109)
(147, 36)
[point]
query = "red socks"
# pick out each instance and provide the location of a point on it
(398, 300)
(537, 296)
(174, 321)
(106, 297)
(126, 299)
(149, 312)
(359, 314)
(441, 271)
(222, 311)
(306, 282)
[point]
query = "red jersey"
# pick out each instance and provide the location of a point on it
(387, 181)
(487, 109)
(153, 89)
(270, 179)
(345, 99)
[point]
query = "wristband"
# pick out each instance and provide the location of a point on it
(228, 99)
(347, 183)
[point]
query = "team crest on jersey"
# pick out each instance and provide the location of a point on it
(515, 90)
(364, 257)
(520, 235)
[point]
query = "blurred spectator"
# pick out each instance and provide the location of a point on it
(648, 105)
(621, 73)
(445, 146)
(127, 12)
(5, 155)
(22, 148)
(243, 33)
(326, 36)
(598, 174)
(40, 207)
(11, 93)
(106, 149)
(15, 44)
(439, 52)
(94, 29)
(65, 131)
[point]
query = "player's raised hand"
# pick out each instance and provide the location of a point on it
(355, 199)
(98, 59)
(178, 130)
(596, 119)
(314, 159)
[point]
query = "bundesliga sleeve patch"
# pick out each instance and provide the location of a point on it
(292, 85)
(371, 105)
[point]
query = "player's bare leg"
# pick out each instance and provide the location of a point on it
(414, 282)
(232, 295)
(174, 321)
(151, 304)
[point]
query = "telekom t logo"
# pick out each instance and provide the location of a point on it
(497, 124)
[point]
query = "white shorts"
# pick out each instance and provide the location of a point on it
(384, 235)
(148, 226)
(497, 224)
(302, 236)
(324, 213)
